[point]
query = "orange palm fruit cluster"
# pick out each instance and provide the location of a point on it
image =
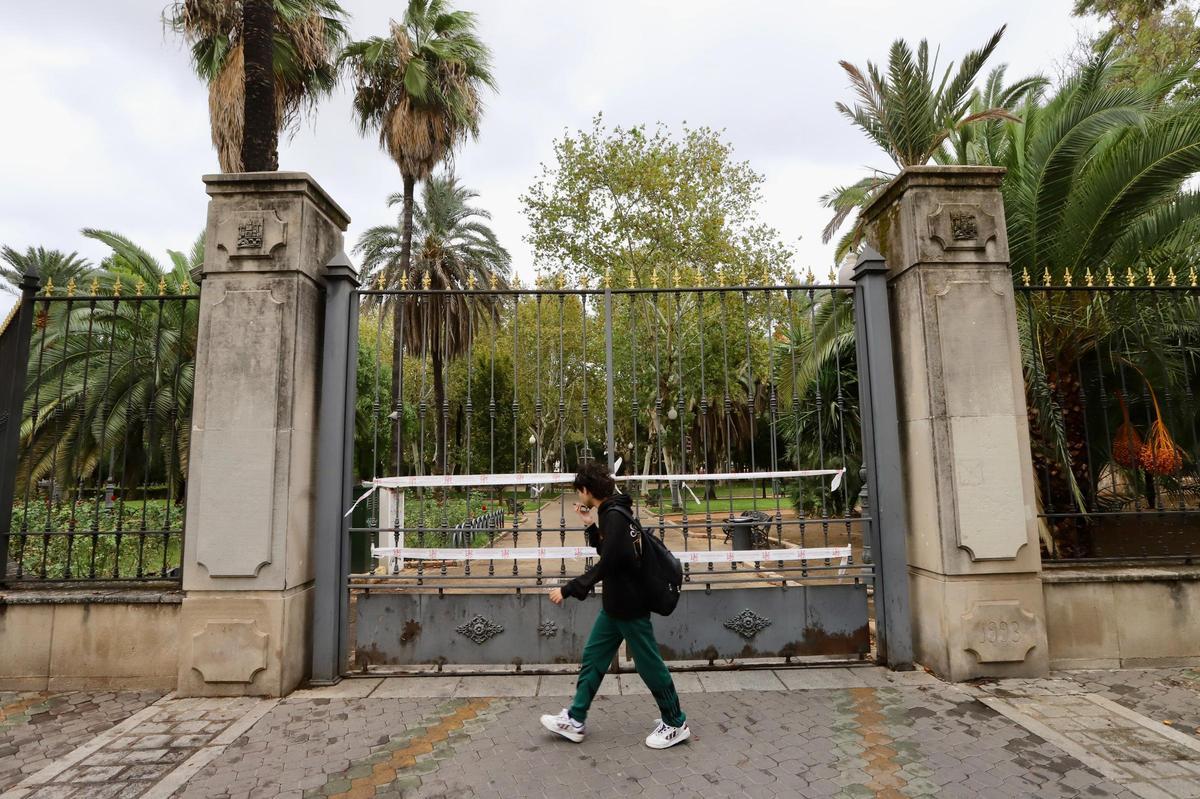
(1160, 455)
(1127, 443)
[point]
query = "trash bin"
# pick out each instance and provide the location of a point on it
(739, 531)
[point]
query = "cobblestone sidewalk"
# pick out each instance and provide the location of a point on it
(797, 733)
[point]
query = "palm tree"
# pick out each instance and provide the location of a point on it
(110, 383)
(419, 88)
(456, 250)
(1096, 186)
(307, 35)
(910, 113)
(51, 265)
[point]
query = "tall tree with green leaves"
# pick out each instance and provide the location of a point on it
(634, 202)
(306, 37)
(1149, 37)
(420, 89)
(456, 249)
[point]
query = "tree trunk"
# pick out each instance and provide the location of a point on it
(397, 329)
(259, 134)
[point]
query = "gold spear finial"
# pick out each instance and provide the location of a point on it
(1047, 278)
(493, 281)
(1150, 277)
(562, 280)
(1089, 278)
(654, 276)
(1130, 277)
(632, 278)
(404, 282)
(1172, 278)
(116, 287)
(426, 280)
(832, 276)
(1025, 276)
(186, 286)
(162, 285)
(94, 288)
(380, 281)
(470, 281)
(607, 277)
(1067, 278)
(49, 287)
(809, 277)
(139, 288)
(1110, 278)
(1192, 275)
(71, 287)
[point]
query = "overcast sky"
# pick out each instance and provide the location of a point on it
(106, 125)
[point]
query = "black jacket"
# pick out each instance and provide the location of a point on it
(617, 565)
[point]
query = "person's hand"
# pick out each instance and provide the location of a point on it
(586, 515)
(556, 596)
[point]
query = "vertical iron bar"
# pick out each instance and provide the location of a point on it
(608, 371)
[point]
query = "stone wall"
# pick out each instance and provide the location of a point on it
(76, 640)
(1122, 616)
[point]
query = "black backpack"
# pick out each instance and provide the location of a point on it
(661, 572)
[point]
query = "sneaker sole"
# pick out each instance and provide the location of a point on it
(573, 737)
(668, 744)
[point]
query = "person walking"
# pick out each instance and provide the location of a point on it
(623, 615)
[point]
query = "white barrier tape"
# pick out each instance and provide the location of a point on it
(543, 478)
(572, 553)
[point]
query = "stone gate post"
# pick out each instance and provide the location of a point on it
(973, 553)
(248, 552)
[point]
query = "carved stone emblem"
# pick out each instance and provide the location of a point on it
(480, 629)
(748, 624)
(1000, 631)
(963, 226)
(547, 629)
(250, 234)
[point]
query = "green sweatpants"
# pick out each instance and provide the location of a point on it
(602, 644)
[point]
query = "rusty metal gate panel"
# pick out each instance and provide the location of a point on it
(406, 629)
(409, 629)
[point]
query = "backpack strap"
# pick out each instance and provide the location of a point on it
(633, 520)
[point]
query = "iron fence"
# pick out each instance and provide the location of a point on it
(729, 414)
(96, 408)
(1112, 374)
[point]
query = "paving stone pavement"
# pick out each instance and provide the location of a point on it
(828, 732)
(1171, 696)
(36, 727)
(888, 741)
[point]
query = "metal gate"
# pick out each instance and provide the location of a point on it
(744, 422)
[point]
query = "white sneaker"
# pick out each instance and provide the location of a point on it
(565, 726)
(665, 735)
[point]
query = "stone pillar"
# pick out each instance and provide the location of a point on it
(973, 551)
(247, 564)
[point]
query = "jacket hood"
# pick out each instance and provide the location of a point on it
(617, 500)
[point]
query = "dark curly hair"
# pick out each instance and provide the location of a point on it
(594, 476)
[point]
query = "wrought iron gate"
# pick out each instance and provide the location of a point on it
(748, 423)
